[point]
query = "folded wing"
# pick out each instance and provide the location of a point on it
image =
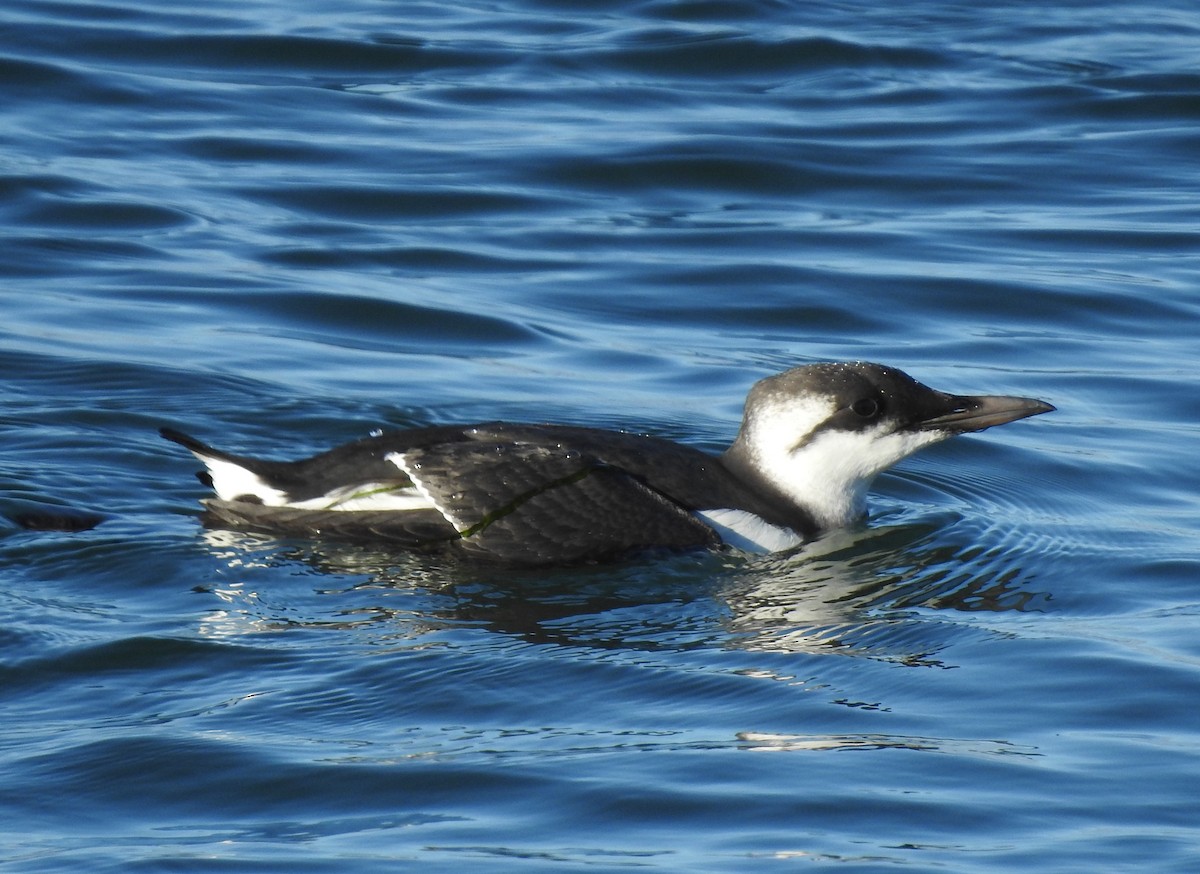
(533, 504)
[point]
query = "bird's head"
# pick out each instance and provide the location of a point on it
(818, 435)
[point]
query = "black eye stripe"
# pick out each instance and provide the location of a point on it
(857, 416)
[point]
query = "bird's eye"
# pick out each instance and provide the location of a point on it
(865, 407)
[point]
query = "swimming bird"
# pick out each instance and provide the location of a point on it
(812, 440)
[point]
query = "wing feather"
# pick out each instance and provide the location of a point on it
(530, 504)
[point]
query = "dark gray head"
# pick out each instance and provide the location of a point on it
(819, 434)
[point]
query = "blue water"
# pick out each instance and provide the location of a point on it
(280, 225)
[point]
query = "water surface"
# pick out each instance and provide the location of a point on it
(283, 225)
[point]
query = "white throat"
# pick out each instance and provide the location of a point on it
(827, 472)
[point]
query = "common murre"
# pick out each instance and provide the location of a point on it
(812, 440)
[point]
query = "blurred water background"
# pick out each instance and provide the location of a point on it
(281, 225)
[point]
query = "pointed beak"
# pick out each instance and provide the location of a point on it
(964, 413)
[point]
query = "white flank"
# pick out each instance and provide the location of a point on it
(398, 459)
(744, 530)
(368, 496)
(232, 481)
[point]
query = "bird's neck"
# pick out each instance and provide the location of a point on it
(827, 494)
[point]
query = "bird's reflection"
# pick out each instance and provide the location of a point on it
(879, 592)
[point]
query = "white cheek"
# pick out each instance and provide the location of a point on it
(832, 462)
(860, 455)
(775, 431)
(877, 450)
(832, 473)
(824, 470)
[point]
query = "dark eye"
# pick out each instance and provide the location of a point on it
(866, 407)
